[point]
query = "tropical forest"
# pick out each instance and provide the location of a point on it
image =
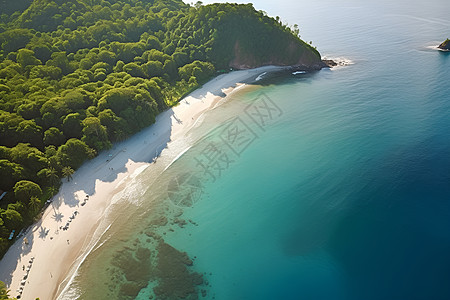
(77, 76)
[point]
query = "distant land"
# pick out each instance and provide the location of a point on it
(77, 76)
(445, 45)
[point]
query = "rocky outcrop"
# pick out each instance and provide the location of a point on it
(445, 45)
(316, 66)
(247, 60)
(307, 60)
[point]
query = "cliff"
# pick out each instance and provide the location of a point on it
(245, 38)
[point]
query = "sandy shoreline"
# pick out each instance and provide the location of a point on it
(55, 250)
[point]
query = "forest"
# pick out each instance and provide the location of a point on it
(79, 75)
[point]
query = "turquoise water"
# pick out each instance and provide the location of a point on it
(345, 192)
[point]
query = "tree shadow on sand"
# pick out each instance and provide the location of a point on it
(110, 163)
(57, 216)
(43, 232)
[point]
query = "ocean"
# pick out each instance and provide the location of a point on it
(326, 185)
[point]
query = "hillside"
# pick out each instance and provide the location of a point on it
(79, 75)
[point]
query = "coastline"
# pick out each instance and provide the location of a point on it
(56, 251)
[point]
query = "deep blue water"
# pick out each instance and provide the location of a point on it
(346, 193)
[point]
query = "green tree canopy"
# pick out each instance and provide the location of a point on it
(72, 125)
(73, 153)
(53, 136)
(10, 173)
(26, 58)
(24, 190)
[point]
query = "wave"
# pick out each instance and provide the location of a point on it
(433, 21)
(261, 76)
(340, 61)
(66, 293)
(433, 47)
(177, 157)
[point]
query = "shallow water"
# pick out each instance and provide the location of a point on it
(341, 192)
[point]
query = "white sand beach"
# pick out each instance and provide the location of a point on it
(39, 261)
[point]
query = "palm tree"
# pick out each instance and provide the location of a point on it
(4, 292)
(52, 190)
(52, 175)
(91, 153)
(34, 203)
(67, 172)
(120, 135)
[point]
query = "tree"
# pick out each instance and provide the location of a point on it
(59, 59)
(73, 153)
(4, 292)
(67, 172)
(53, 136)
(198, 69)
(34, 203)
(94, 134)
(107, 57)
(28, 157)
(26, 58)
(24, 190)
(30, 110)
(52, 190)
(12, 219)
(72, 125)
(42, 52)
(14, 39)
(76, 99)
(10, 173)
(48, 176)
(56, 108)
(29, 132)
(91, 153)
(134, 70)
(198, 4)
(52, 175)
(153, 69)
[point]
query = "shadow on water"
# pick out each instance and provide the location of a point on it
(284, 77)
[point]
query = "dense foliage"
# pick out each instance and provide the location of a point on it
(4, 292)
(78, 75)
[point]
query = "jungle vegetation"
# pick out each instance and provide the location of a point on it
(79, 75)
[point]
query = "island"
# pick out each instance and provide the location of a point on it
(78, 77)
(445, 45)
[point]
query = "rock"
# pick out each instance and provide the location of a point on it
(445, 45)
(330, 63)
(313, 67)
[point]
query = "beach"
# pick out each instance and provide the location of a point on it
(41, 260)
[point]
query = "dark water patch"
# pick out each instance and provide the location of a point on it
(175, 280)
(398, 241)
(135, 269)
(284, 77)
(154, 265)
